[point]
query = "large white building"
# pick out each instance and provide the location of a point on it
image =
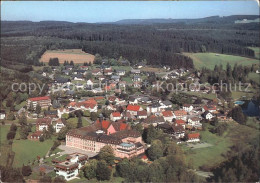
(69, 169)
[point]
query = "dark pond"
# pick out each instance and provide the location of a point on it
(251, 108)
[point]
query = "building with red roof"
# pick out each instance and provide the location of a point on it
(114, 116)
(126, 143)
(44, 102)
(193, 137)
(36, 135)
(133, 109)
(180, 114)
(167, 115)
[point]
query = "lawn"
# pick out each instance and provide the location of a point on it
(4, 129)
(257, 51)
(126, 68)
(254, 76)
(128, 80)
(209, 96)
(209, 60)
(74, 121)
(22, 104)
(212, 156)
(27, 150)
(209, 156)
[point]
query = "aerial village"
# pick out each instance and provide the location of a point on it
(109, 105)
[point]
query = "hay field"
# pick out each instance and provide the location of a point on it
(77, 55)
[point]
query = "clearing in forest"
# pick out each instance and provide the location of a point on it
(77, 55)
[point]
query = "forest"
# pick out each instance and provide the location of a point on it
(24, 42)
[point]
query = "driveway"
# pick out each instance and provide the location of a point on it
(70, 150)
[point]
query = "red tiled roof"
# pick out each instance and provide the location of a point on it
(37, 134)
(39, 98)
(167, 113)
(193, 135)
(180, 113)
(123, 126)
(116, 114)
(104, 124)
(180, 122)
(142, 113)
(133, 107)
(72, 103)
(99, 98)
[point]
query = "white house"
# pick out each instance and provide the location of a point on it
(154, 108)
(133, 109)
(120, 72)
(167, 115)
(43, 123)
(89, 83)
(194, 122)
(69, 169)
(62, 111)
(193, 137)
(114, 116)
(2, 114)
(207, 115)
(187, 107)
(60, 123)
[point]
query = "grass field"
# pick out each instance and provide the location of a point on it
(27, 150)
(126, 68)
(254, 76)
(4, 129)
(74, 121)
(257, 51)
(209, 156)
(212, 156)
(209, 60)
(210, 96)
(77, 55)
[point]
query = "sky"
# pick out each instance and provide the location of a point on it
(109, 11)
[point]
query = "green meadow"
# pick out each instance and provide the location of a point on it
(209, 60)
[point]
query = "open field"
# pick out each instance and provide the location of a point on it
(126, 68)
(27, 150)
(153, 69)
(77, 55)
(209, 60)
(257, 51)
(212, 156)
(254, 76)
(209, 156)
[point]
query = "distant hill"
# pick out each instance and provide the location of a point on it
(212, 19)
